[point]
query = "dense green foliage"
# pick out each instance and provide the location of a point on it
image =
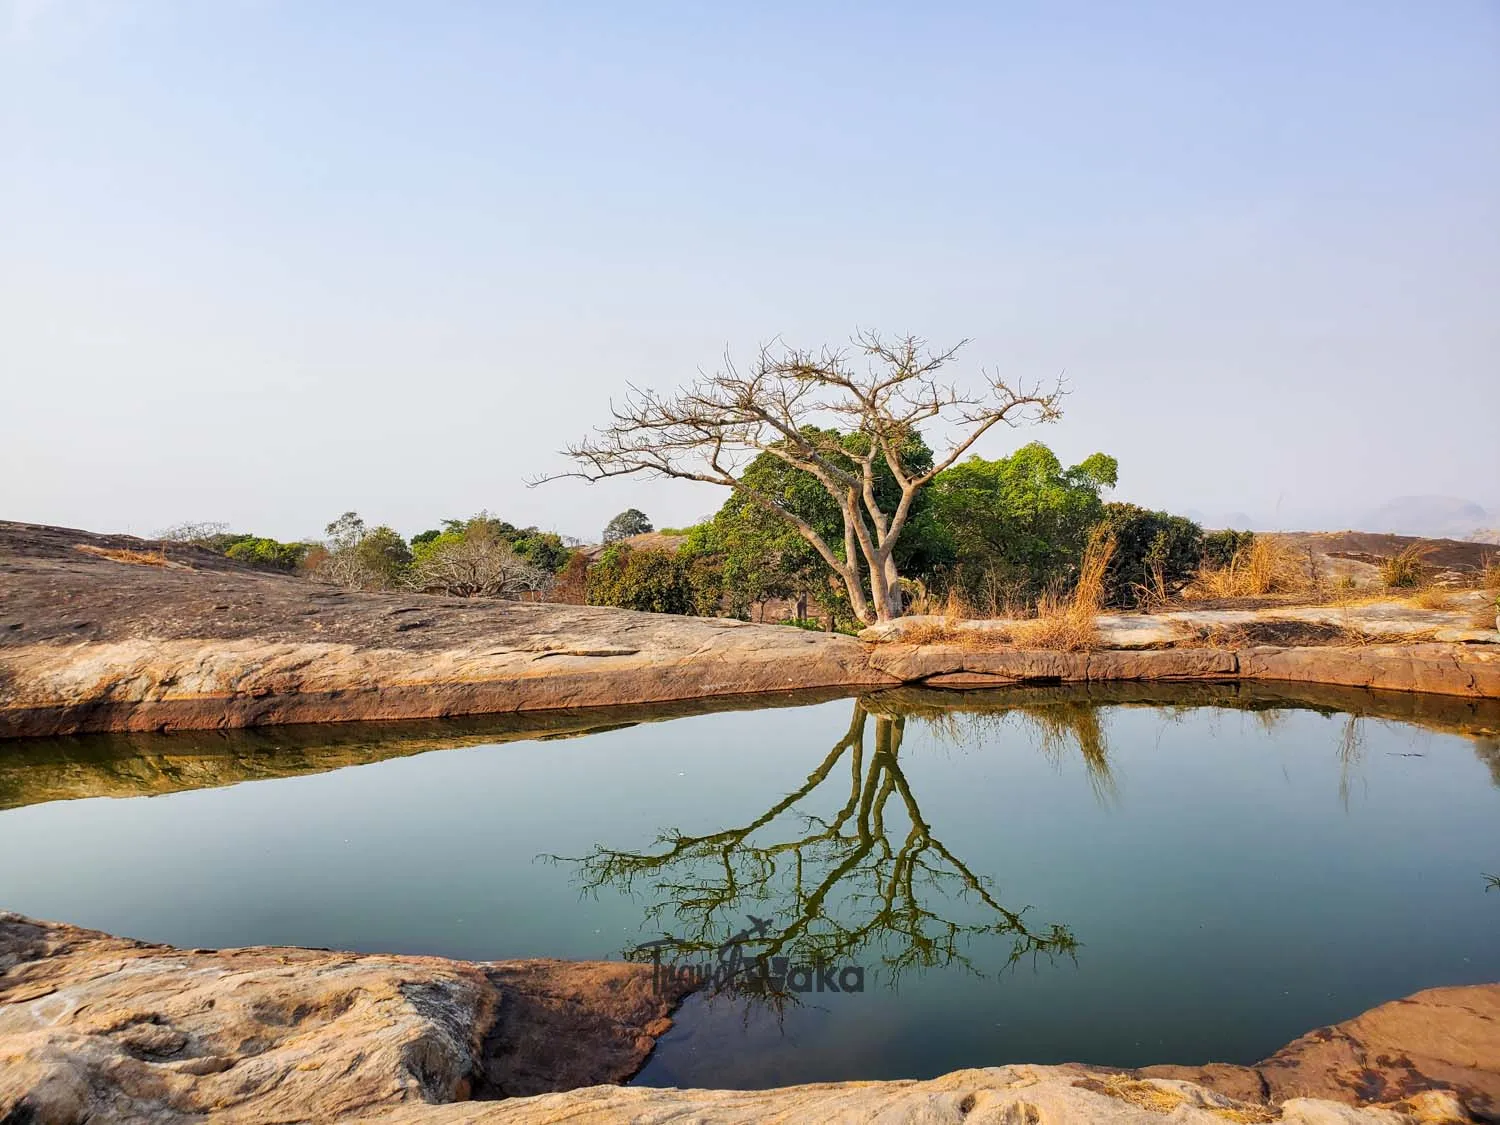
(383, 555)
(655, 581)
(267, 554)
(998, 533)
(544, 549)
(1220, 547)
(1017, 525)
(1156, 554)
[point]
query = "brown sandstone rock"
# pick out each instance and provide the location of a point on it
(1450, 669)
(96, 1028)
(1006, 1095)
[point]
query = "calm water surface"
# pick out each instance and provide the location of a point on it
(1067, 879)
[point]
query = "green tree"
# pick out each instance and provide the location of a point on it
(880, 392)
(646, 580)
(632, 521)
(1018, 524)
(765, 555)
(346, 531)
(267, 554)
(384, 556)
(544, 549)
(1156, 554)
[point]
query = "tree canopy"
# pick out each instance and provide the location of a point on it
(1016, 525)
(632, 521)
(845, 416)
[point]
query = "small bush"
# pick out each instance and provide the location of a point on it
(268, 554)
(1405, 571)
(1220, 548)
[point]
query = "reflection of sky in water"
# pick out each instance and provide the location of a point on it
(1232, 879)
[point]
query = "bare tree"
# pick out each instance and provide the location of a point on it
(827, 414)
(481, 564)
(865, 870)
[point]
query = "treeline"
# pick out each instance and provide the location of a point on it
(989, 537)
(478, 557)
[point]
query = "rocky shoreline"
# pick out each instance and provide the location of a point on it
(98, 1029)
(88, 644)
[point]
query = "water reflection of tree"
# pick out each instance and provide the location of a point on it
(1060, 726)
(871, 879)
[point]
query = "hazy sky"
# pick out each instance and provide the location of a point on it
(265, 260)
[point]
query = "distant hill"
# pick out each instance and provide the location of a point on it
(1435, 517)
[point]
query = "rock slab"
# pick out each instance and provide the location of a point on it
(98, 1029)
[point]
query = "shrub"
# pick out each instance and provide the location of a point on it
(1156, 554)
(1016, 526)
(1405, 570)
(268, 554)
(1070, 623)
(1220, 548)
(646, 580)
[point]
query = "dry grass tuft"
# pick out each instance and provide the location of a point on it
(1137, 1091)
(125, 555)
(1267, 566)
(1432, 597)
(948, 633)
(1489, 578)
(1063, 623)
(1068, 624)
(1406, 570)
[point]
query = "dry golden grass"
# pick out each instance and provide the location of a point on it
(1432, 597)
(1068, 624)
(125, 555)
(1064, 623)
(1407, 569)
(949, 633)
(1267, 566)
(1489, 578)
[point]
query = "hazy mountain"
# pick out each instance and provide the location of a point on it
(1439, 517)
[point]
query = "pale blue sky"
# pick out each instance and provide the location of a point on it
(263, 260)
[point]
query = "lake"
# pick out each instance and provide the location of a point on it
(1126, 876)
